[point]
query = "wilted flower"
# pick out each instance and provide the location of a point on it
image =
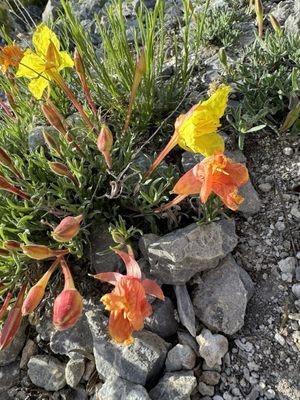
(127, 302)
(47, 60)
(68, 304)
(4, 185)
(10, 55)
(196, 131)
(13, 321)
(217, 174)
(41, 252)
(37, 292)
(67, 229)
(54, 118)
(104, 143)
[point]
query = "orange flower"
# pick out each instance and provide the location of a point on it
(216, 174)
(127, 302)
(10, 55)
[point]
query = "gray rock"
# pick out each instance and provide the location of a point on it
(288, 265)
(251, 204)
(9, 376)
(102, 258)
(29, 350)
(10, 353)
(138, 363)
(205, 389)
(283, 10)
(47, 372)
(177, 256)
(187, 339)
(116, 388)
(212, 347)
(162, 321)
(292, 24)
(77, 338)
(296, 290)
(73, 394)
(51, 11)
(265, 187)
(174, 385)
(185, 309)
(74, 371)
(297, 273)
(89, 369)
(180, 357)
(220, 300)
(210, 377)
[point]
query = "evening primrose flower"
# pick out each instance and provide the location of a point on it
(42, 65)
(196, 131)
(10, 56)
(127, 302)
(216, 174)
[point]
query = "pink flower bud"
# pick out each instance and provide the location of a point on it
(104, 143)
(40, 252)
(67, 229)
(67, 309)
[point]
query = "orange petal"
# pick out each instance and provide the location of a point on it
(110, 277)
(153, 289)
(132, 267)
(237, 172)
(120, 328)
(228, 195)
(189, 183)
(206, 188)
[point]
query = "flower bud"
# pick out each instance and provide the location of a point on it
(104, 143)
(54, 118)
(62, 170)
(78, 63)
(37, 292)
(37, 251)
(223, 58)
(67, 309)
(276, 25)
(12, 245)
(260, 16)
(13, 321)
(51, 142)
(68, 305)
(4, 253)
(67, 229)
(7, 162)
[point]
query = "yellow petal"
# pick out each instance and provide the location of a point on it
(217, 102)
(31, 65)
(66, 60)
(41, 40)
(37, 87)
(205, 144)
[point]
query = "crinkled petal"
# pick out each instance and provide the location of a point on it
(37, 87)
(111, 277)
(65, 60)
(120, 328)
(205, 144)
(132, 267)
(228, 195)
(31, 65)
(153, 289)
(217, 102)
(207, 185)
(41, 40)
(237, 172)
(188, 184)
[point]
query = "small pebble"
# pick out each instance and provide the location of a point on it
(280, 226)
(296, 290)
(205, 389)
(279, 339)
(288, 151)
(265, 187)
(270, 394)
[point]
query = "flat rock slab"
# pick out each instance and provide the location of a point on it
(179, 255)
(221, 298)
(138, 363)
(47, 372)
(116, 388)
(174, 385)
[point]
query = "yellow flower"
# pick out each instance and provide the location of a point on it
(196, 131)
(42, 65)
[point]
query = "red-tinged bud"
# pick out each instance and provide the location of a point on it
(62, 170)
(12, 245)
(7, 162)
(41, 252)
(4, 185)
(5, 305)
(4, 253)
(104, 143)
(68, 305)
(54, 117)
(67, 229)
(79, 67)
(13, 321)
(37, 292)
(51, 142)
